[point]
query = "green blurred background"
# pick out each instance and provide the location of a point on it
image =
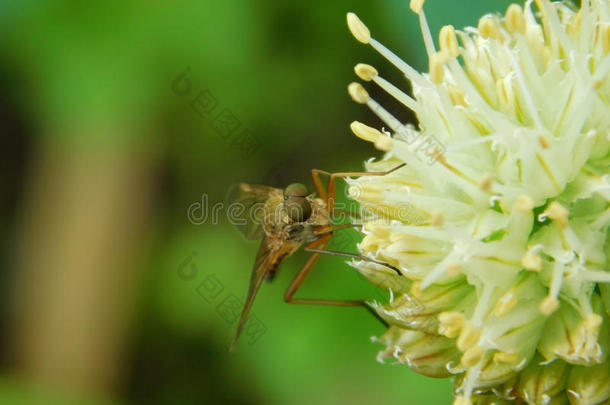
(110, 295)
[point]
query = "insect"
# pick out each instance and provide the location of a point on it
(287, 220)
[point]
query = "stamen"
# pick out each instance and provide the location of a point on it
(362, 34)
(365, 132)
(597, 276)
(504, 89)
(592, 323)
(472, 356)
(358, 93)
(385, 116)
(416, 5)
(437, 67)
(524, 204)
(549, 172)
(461, 400)
(358, 29)
(531, 261)
(468, 385)
(485, 183)
(453, 268)
(549, 305)
(426, 34)
(437, 218)
(606, 39)
(574, 25)
(558, 213)
(468, 336)
(384, 143)
(370, 193)
(489, 28)
(505, 358)
(505, 304)
(482, 306)
(408, 71)
(457, 96)
(601, 70)
(381, 141)
(529, 102)
(544, 142)
(451, 323)
(441, 159)
(554, 25)
(365, 72)
(395, 92)
(515, 20)
(448, 41)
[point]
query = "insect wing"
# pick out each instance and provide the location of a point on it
(265, 259)
(245, 207)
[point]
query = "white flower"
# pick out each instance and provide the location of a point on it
(499, 221)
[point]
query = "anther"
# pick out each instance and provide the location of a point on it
(358, 93)
(358, 29)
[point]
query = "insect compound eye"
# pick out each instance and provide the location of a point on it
(295, 190)
(298, 208)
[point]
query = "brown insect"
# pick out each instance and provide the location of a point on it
(286, 220)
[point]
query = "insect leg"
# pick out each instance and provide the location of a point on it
(315, 175)
(302, 274)
(346, 212)
(332, 229)
(330, 193)
(352, 255)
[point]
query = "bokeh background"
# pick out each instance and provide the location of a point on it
(119, 117)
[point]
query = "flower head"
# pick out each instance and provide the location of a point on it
(503, 208)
